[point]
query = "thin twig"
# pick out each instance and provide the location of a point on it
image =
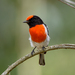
(69, 3)
(49, 48)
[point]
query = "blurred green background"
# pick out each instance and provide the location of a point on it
(14, 35)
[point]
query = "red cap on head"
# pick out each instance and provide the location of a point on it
(29, 17)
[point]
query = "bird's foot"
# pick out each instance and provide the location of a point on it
(33, 51)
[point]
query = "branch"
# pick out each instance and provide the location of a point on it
(69, 3)
(49, 48)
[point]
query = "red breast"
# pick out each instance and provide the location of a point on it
(38, 33)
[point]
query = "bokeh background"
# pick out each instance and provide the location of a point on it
(14, 35)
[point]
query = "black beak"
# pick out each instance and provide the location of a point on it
(25, 21)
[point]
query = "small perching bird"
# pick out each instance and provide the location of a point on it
(39, 35)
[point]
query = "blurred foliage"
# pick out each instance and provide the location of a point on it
(14, 36)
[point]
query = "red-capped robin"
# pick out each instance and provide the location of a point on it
(39, 35)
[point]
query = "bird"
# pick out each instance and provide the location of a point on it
(39, 35)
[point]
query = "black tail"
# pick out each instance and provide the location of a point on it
(41, 59)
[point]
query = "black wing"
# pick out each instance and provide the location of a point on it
(47, 28)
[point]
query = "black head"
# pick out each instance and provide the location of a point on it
(33, 20)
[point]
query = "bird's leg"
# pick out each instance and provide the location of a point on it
(33, 50)
(43, 49)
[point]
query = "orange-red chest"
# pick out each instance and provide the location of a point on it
(38, 33)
